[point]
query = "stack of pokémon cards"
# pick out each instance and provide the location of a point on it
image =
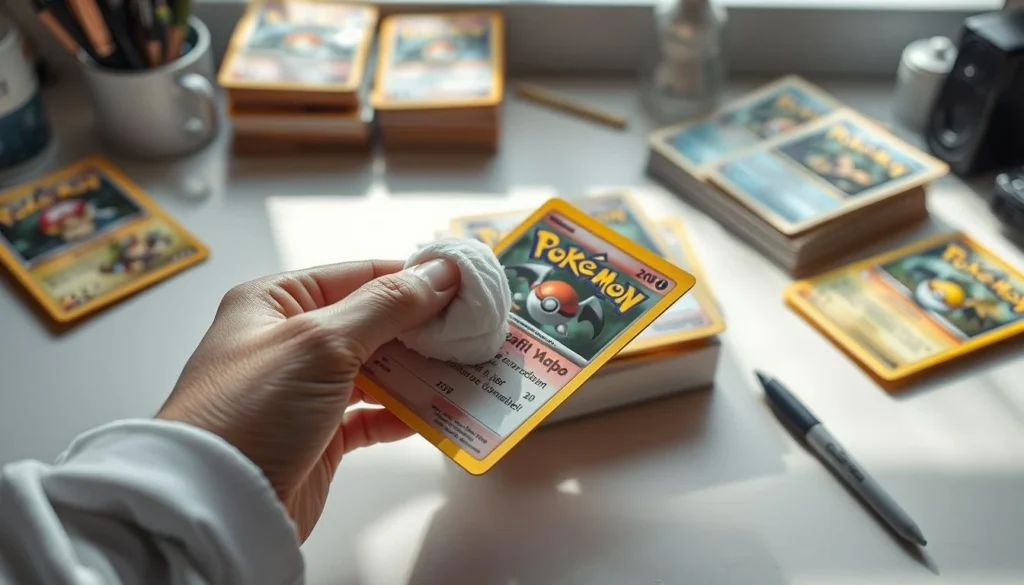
(797, 175)
(909, 310)
(440, 80)
(676, 353)
(476, 413)
(298, 74)
(86, 236)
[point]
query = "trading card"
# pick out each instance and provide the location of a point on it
(839, 164)
(86, 236)
(617, 210)
(911, 309)
(696, 315)
(693, 317)
(308, 45)
(774, 110)
(440, 61)
(580, 293)
(488, 228)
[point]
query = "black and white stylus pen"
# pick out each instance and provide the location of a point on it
(792, 412)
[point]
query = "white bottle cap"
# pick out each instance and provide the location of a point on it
(935, 55)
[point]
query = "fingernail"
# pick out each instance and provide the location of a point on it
(440, 273)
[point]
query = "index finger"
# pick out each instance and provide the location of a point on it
(291, 293)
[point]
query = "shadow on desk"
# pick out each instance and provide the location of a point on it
(502, 536)
(663, 448)
(306, 174)
(418, 172)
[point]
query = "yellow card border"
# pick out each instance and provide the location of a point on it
(244, 29)
(24, 276)
(684, 282)
(385, 47)
(658, 139)
(819, 320)
(934, 169)
(637, 347)
(702, 290)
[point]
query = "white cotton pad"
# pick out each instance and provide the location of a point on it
(475, 324)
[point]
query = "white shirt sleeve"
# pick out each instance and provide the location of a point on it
(145, 501)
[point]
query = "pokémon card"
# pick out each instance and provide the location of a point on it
(903, 312)
(781, 107)
(443, 60)
(580, 293)
(87, 236)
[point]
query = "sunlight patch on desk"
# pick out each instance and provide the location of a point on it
(569, 486)
(315, 230)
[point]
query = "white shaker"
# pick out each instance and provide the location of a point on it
(923, 68)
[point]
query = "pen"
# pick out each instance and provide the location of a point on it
(117, 21)
(795, 414)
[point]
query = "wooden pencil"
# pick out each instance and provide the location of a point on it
(549, 98)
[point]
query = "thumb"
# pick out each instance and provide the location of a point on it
(389, 305)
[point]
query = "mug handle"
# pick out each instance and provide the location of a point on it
(201, 124)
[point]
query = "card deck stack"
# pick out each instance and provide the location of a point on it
(909, 310)
(298, 74)
(440, 80)
(676, 353)
(86, 236)
(795, 174)
(611, 290)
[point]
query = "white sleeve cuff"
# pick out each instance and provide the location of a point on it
(182, 483)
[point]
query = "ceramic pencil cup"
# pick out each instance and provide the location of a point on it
(163, 111)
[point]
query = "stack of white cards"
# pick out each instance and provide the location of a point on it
(789, 170)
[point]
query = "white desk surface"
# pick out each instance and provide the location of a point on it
(701, 488)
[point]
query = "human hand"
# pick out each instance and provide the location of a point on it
(274, 376)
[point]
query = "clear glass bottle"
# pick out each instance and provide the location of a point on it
(686, 77)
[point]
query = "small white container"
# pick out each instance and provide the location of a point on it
(923, 68)
(25, 134)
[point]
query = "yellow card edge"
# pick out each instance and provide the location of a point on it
(668, 340)
(23, 276)
(934, 170)
(658, 142)
(817, 319)
(358, 60)
(684, 281)
(703, 290)
(379, 102)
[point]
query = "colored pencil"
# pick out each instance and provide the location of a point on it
(549, 98)
(147, 23)
(89, 16)
(162, 25)
(182, 9)
(63, 36)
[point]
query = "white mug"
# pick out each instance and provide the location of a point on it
(165, 111)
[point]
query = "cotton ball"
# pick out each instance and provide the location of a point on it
(473, 327)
